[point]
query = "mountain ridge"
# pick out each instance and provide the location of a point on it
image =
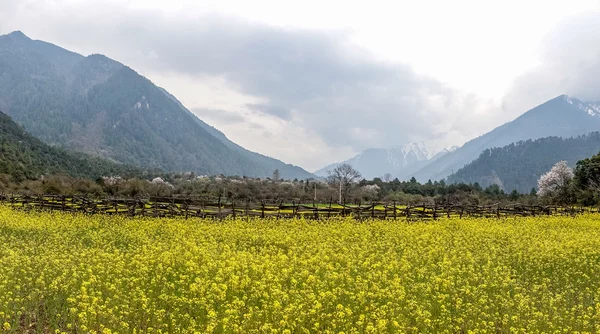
(97, 105)
(399, 161)
(562, 116)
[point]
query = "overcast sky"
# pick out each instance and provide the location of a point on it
(314, 82)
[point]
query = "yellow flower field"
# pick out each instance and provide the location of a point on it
(65, 273)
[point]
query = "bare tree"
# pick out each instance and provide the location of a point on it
(555, 183)
(343, 176)
(387, 177)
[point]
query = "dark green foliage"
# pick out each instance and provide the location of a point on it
(24, 157)
(587, 172)
(587, 180)
(519, 165)
(413, 192)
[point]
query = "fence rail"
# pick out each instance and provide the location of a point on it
(219, 208)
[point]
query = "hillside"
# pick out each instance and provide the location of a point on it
(268, 164)
(562, 117)
(25, 157)
(519, 165)
(399, 161)
(96, 105)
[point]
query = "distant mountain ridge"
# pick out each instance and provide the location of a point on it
(519, 165)
(399, 161)
(562, 116)
(99, 106)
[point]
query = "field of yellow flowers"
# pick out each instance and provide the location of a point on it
(66, 273)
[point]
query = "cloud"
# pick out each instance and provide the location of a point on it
(569, 63)
(218, 114)
(317, 82)
(274, 110)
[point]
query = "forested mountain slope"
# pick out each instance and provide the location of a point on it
(23, 156)
(562, 117)
(99, 106)
(519, 165)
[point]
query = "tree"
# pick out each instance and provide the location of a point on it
(555, 183)
(514, 195)
(276, 175)
(343, 176)
(387, 177)
(587, 179)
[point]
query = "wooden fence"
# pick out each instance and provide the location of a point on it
(219, 208)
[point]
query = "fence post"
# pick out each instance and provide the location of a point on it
(219, 207)
(171, 206)
(187, 208)
(385, 209)
(279, 208)
(294, 209)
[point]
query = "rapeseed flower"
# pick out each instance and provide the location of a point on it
(113, 274)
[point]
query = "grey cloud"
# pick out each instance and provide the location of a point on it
(569, 64)
(219, 114)
(273, 110)
(336, 90)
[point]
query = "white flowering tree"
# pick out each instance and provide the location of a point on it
(161, 187)
(555, 183)
(370, 192)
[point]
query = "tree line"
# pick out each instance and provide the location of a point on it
(560, 185)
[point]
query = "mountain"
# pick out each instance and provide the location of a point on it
(400, 161)
(99, 106)
(519, 165)
(562, 116)
(26, 157)
(443, 152)
(287, 171)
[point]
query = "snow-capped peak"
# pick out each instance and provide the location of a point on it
(399, 161)
(444, 152)
(403, 155)
(418, 149)
(592, 109)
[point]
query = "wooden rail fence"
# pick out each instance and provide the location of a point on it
(219, 208)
